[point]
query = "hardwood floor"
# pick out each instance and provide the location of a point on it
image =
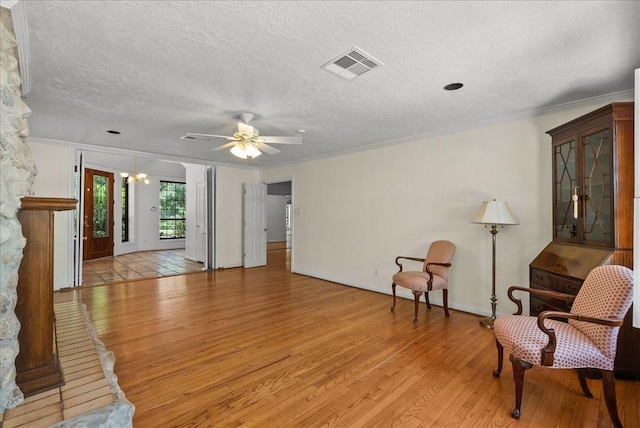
(267, 348)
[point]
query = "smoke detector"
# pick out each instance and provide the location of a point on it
(351, 64)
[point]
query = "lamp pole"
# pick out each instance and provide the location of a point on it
(493, 213)
(488, 321)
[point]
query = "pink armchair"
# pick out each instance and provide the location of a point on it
(587, 341)
(434, 275)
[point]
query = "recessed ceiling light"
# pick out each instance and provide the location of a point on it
(114, 132)
(301, 131)
(453, 86)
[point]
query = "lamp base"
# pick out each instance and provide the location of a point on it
(487, 322)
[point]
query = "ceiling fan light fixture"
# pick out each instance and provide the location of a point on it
(239, 151)
(252, 151)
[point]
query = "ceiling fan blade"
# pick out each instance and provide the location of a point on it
(245, 129)
(224, 146)
(281, 140)
(267, 149)
(192, 136)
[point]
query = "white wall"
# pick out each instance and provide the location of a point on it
(53, 180)
(229, 209)
(358, 211)
(276, 218)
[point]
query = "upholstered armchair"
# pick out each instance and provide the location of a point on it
(433, 276)
(587, 341)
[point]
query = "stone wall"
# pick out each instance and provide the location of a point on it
(17, 172)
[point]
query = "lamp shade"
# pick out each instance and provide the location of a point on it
(239, 151)
(494, 212)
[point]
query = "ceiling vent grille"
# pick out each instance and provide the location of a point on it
(351, 64)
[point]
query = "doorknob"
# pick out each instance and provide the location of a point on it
(265, 229)
(84, 238)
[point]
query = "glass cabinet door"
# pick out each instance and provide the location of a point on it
(597, 187)
(565, 184)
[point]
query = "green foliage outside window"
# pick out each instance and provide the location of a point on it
(125, 210)
(100, 208)
(173, 209)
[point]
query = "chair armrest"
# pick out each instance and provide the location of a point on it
(439, 264)
(537, 292)
(415, 259)
(427, 270)
(548, 351)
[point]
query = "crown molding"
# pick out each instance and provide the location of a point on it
(21, 30)
(8, 4)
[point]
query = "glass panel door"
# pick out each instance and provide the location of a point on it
(566, 225)
(597, 183)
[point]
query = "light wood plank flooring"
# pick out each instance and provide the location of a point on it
(263, 347)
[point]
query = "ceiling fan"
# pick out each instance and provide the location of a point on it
(247, 142)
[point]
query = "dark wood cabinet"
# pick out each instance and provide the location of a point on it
(593, 175)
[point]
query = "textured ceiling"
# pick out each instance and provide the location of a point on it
(154, 70)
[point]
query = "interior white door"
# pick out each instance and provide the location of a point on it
(255, 225)
(78, 243)
(201, 221)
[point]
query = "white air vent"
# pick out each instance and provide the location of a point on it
(351, 64)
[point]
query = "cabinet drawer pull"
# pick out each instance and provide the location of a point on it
(539, 277)
(571, 287)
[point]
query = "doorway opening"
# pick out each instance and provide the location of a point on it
(153, 229)
(279, 223)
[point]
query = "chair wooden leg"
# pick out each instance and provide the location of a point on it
(582, 378)
(445, 301)
(497, 371)
(426, 299)
(393, 289)
(519, 367)
(416, 299)
(609, 388)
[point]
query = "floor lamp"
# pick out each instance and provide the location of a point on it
(494, 213)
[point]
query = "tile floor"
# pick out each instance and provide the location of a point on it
(145, 264)
(85, 387)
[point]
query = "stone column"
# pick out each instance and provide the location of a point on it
(17, 171)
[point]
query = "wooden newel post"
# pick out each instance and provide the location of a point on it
(37, 364)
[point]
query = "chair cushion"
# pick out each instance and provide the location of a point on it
(419, 281)
(606, 293)
(520, 336)
(439, 252)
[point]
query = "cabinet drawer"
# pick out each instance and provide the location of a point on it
(538, 304)
(552, 282)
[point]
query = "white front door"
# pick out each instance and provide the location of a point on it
(255, 225)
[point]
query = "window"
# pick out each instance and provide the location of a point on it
(125, 210)
(172, 210)
(100, 206)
